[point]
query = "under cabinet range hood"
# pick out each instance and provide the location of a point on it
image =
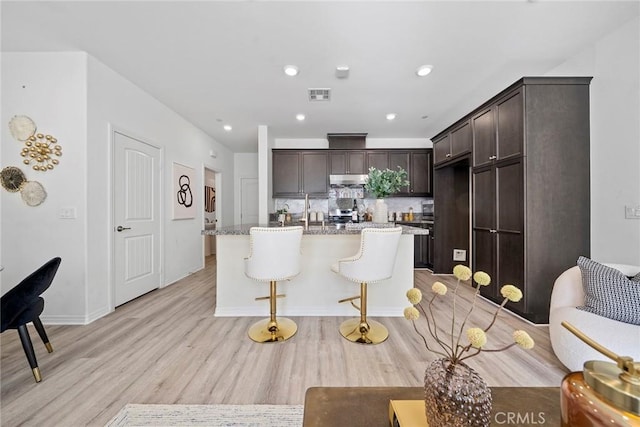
(347, 180)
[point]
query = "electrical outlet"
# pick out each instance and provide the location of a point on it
(459, 255)
(632, 212)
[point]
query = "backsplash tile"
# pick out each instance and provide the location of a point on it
(395, 204)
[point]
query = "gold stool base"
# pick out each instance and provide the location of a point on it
(259, 331)
(350, 329)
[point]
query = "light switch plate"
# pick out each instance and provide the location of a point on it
(67, 213)
(632, 212)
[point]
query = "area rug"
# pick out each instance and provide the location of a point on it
(133, 415)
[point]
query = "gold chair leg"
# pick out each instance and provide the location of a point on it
(361, 330)
(36, 374)
(272, 329)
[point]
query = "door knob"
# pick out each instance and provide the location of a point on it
(121, 228)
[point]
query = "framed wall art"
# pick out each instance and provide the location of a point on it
(184, 189)
(209, 199)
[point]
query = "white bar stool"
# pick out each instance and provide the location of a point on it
(274, 255)
(373, 263)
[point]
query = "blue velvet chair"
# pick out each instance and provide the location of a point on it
(23, 304)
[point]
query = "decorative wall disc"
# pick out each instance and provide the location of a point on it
(33, 193)
(22, 127)
(12, 178)
(41, 150)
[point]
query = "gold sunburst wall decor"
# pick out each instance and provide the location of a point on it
(41, 151)
(22, 127)
(12, 179)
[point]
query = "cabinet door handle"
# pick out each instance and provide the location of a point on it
(492, 157)
(493, 231)
(448, 155)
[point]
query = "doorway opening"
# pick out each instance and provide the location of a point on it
(211, 209)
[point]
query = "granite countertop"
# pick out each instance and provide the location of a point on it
(328, 229)
(416, 222)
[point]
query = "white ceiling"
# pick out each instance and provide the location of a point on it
(221, 62)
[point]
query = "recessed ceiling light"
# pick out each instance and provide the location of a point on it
(300, 117)
(391, 116)
(423, 70)
(291, 70)
(228, 128)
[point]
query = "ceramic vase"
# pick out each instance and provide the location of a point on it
(455, 396)
(380, 211)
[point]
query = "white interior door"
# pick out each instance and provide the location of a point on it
(248, 200)
(136, 218)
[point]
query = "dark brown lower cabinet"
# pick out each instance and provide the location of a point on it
(498, 228)
(423, 246)
(423, 249)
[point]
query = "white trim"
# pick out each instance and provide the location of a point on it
(64, 320)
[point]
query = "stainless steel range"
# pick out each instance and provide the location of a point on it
(343, 191)
(340, 216)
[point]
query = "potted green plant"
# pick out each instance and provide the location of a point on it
(383, 183)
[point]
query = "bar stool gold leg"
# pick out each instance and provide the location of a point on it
(361, 330)
(272, 329)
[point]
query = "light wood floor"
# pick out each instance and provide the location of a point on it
(166, 347)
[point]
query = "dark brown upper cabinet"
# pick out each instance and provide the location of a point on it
(347, 162)
(378, 159)
(421, 173)
(286, 173)
(400, 159)
(419, 166)
(452, 144)
(296, 173)
(498, 130)
(315, 174)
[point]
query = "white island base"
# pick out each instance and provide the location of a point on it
(316, 290)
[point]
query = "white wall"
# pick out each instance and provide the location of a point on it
(614, 63)
(246, 166)
(118, 102)
(51, 89)
(265, 190)
(78, 99)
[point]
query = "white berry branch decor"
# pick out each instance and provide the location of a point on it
(452, 346)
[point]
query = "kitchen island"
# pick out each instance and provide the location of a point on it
(316, 290)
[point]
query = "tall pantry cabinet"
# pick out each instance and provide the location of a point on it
(530, 187)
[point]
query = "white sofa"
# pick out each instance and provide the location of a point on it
(621, 338)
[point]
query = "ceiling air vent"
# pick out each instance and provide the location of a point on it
(319, 94)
